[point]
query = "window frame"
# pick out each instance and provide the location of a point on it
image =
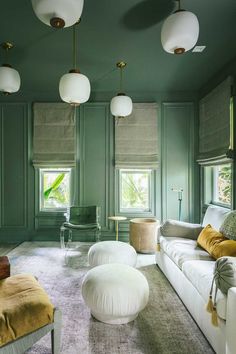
(151, 192)
(210, 183)
(41, 172)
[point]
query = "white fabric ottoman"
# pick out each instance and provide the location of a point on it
(112, 252)
(115, 293)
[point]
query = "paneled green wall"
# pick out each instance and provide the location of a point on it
(178, 159)
(94, 177)
(14, 172)
(96, 146)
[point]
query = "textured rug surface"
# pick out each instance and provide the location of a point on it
(163, 327)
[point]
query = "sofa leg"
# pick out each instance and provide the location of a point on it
(56, 332)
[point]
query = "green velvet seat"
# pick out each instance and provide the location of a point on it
(81, 218)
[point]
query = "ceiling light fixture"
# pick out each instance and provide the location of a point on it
(58, 13)
(74, 87)
(9, 77)
(180, 31)
(121, 105)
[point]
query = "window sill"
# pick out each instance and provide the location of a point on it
(226, 206)
(131, 214)
(51, 213)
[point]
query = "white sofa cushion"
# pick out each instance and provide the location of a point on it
(181, 250)
(200, 274)
(215, 216)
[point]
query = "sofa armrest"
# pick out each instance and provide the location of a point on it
(4, 267)
(175, 228)
(231, 321)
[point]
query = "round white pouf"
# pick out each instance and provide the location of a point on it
(115, 293)
(112, 252)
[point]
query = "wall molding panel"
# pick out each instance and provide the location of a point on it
(94, 178)
(177, 159)
(95, 158)
(14, 176)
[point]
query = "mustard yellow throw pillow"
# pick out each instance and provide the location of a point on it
(209, 238)
(224, 248)
(215, 243)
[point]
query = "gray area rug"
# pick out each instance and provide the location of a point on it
(163, 327)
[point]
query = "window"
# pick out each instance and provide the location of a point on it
(54, 189)
(218, 184)
(134, 192)
(222, 184)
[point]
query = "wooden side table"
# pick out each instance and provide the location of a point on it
(143, 234)
(117, 219)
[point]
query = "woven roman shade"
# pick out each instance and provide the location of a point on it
(54, 141)
(214, 125)
(136, 138)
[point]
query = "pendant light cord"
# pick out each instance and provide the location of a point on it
(74, 47)
(179, 5)
(121, 80)
(6, 56)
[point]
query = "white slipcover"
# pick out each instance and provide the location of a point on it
(181, 250)
(201, 274)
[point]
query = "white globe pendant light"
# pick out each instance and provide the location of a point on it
(58, 13)
(74, 87)
(121, 105)
(9, 77)
(180, 32)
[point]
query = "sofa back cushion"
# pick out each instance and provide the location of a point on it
(215, 216)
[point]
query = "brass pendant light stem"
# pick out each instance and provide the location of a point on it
(74, 48)
(121, 79)
(179, 5)
(6, 46)
(121, 65)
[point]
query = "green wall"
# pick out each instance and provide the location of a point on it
(221, 75)
(94, 179)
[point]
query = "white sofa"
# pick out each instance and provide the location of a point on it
(190, 271)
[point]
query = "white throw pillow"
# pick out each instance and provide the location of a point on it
(175, 228)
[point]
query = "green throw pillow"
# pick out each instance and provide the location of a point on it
(228, 228)
(225, 273)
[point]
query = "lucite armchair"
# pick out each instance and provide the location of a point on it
(81, 218)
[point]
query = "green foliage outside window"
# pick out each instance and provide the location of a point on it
(135, 190)
(56, 191)
(224, 184)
